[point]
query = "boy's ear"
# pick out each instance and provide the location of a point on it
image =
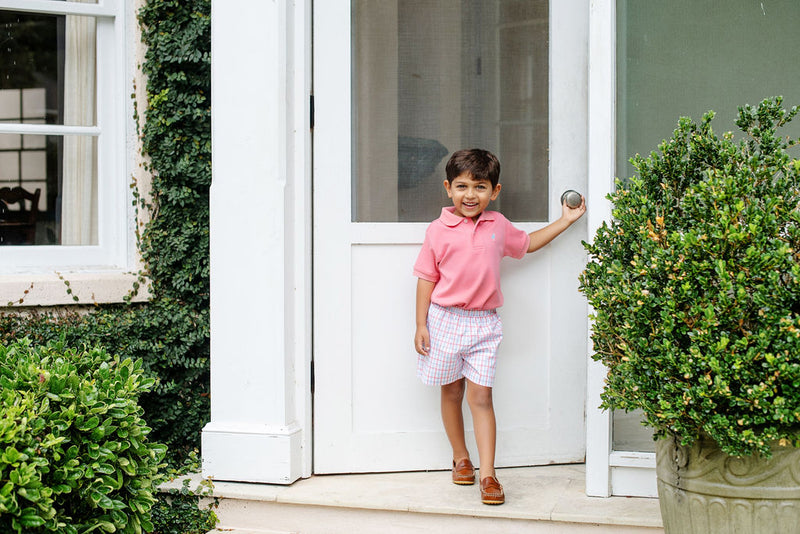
(447, 188)
(496, 192)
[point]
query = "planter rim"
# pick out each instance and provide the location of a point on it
(704, 468)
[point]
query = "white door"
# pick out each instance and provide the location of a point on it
(399, 85)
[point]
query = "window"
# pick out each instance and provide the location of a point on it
(63, 109)
(684, 57)
(430, 78)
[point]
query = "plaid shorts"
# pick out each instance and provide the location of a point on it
(463, 344)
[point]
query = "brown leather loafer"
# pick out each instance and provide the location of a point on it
(463, 472)
(492, 491)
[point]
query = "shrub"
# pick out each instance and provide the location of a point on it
(74, 453)
(695, 286)
(178, 512)
(170, 340)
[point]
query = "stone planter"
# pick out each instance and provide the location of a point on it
(702, 490)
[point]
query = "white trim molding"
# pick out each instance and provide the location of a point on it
(601, 181)
(70, 288)
(608, 472)
(633, 474)
(252, 452)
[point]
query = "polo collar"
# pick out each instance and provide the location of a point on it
(449, 218)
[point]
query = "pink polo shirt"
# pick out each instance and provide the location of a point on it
(463, 259)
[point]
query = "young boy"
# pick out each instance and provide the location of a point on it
(458, 291)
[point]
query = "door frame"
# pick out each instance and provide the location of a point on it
(608, 472)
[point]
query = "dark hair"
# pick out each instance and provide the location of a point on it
(481, 164)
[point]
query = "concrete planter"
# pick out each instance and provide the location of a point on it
(702, 490)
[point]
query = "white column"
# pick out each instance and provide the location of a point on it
(260, 243)
(602, 51)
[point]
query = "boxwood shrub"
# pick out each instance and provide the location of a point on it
(74, 450)
(695, 285)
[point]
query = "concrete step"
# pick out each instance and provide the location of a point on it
(548, 499)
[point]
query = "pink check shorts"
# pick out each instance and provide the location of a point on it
(463, 344)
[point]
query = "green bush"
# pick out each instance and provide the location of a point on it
(169, 339)
(695, 286)
(74, 450)
(178, 512)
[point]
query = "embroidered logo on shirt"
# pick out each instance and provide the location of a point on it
(492, 237)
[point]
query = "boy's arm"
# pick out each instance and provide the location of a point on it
(543, 236)
(422, 340)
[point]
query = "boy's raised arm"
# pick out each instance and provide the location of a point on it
(422, 339)
(543, 236)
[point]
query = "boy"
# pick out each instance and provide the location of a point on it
(458, 291)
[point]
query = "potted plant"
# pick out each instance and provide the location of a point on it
(695, 290)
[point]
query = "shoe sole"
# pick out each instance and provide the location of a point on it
(464, 482)
(492, 501)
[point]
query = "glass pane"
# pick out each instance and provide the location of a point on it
(432, 77)
(684, 57)
(61, 173)
(629, 434)
(47, 69)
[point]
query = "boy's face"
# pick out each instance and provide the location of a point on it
(470, 196)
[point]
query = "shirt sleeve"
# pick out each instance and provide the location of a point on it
(426, 267)
(517, 241)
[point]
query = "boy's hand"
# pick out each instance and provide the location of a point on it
(422, 340)
(573, 214)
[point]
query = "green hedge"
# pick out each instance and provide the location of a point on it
(74, 450)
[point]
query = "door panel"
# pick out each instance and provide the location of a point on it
(371, 413)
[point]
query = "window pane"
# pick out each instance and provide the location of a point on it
(629, 434)
(47, 69)
(684, 57)
(63, 170)
(431, 77)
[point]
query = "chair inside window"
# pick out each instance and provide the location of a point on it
(18, 212)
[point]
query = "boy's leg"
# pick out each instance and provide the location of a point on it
(480, 403)
(453, 418)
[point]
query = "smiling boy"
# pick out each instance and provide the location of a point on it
(458, 292)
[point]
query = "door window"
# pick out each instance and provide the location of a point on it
(431, 77)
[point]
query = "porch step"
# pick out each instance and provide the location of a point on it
(547, 499)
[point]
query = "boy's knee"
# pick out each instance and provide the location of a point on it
(479, 397)
(454, 391)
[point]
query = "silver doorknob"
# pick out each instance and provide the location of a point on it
(571, 198)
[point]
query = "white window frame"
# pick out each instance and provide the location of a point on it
(114, 257)
(608, 472)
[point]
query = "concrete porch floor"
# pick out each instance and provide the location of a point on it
(546, 499)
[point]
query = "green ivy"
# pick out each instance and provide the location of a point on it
(177, 512)
(177, 137)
